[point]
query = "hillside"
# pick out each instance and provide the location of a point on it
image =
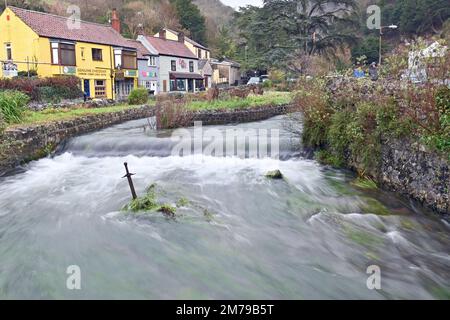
(215, 10)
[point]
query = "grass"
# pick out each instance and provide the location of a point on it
(252, 101)
(61, 114)
(51, 115)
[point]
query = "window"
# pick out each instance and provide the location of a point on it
(191, 66)
(63, 54)
(55, 53)
(118, 58)
(152, 61)
(97, 54)
(199, 53)
(129, 60)
(181, 85)
(100, 89)
(82, 54)
(172, 86)
(173, 65)
(67, 54)
(8, 51)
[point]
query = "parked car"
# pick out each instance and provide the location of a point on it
(254, 80)
(264, 78)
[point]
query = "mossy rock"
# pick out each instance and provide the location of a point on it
(275, 175)
(167, 210)
(148, 203)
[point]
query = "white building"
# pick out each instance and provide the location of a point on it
(178, 66)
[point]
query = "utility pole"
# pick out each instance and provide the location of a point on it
(392, 26)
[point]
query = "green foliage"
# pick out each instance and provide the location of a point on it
(148, 203)
(313, 99)
(31, 73)
(224, 44)
(328, 158)
(277, 33)
(191, 19)
(368, 47)
(37, 5)
(417, 16)
(138, 96)
(441, 140)
(364, 183)
(267, 84)
(12, 106)
(53, 88)
(349, 125)
(57, 93)
(269, 98)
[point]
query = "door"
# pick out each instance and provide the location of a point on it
(87, 88)
(164, 85)
(206, 82)
(191, 85)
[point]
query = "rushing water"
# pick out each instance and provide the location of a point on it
(242, 236)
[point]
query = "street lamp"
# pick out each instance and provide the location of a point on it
(392, 26)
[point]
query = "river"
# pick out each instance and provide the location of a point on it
(239, 235)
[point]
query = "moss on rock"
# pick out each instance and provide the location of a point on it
(275, 175)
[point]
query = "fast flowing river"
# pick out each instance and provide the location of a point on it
(239, 235)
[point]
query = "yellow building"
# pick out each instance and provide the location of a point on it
(56, 46)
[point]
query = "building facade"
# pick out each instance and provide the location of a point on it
(226, 72)
(148, 68)
(178, 66)
(53, 45)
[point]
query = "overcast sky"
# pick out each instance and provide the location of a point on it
(242, 3)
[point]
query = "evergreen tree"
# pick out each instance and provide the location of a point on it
(191, 19)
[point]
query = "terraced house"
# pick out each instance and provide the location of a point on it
(53, 45)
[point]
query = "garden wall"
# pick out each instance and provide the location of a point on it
(404, 165)
(241, 116)
(23, 144)
(412, 170)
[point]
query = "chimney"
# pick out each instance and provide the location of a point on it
(115, 21)
(181, 37)
(162, 33)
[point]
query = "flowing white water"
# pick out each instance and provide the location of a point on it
(242, 236)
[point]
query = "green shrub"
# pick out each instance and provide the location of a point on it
(138, 96)
(327, 158)
(65, 87)
(12, 106)
(26, 74)
(267, 84)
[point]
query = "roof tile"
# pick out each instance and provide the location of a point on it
(170, 48)
(52, 26)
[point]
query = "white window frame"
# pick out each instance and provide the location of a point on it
(151, 62)
(55, 52)
(118, 58)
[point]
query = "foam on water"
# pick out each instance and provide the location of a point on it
(307, 236)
